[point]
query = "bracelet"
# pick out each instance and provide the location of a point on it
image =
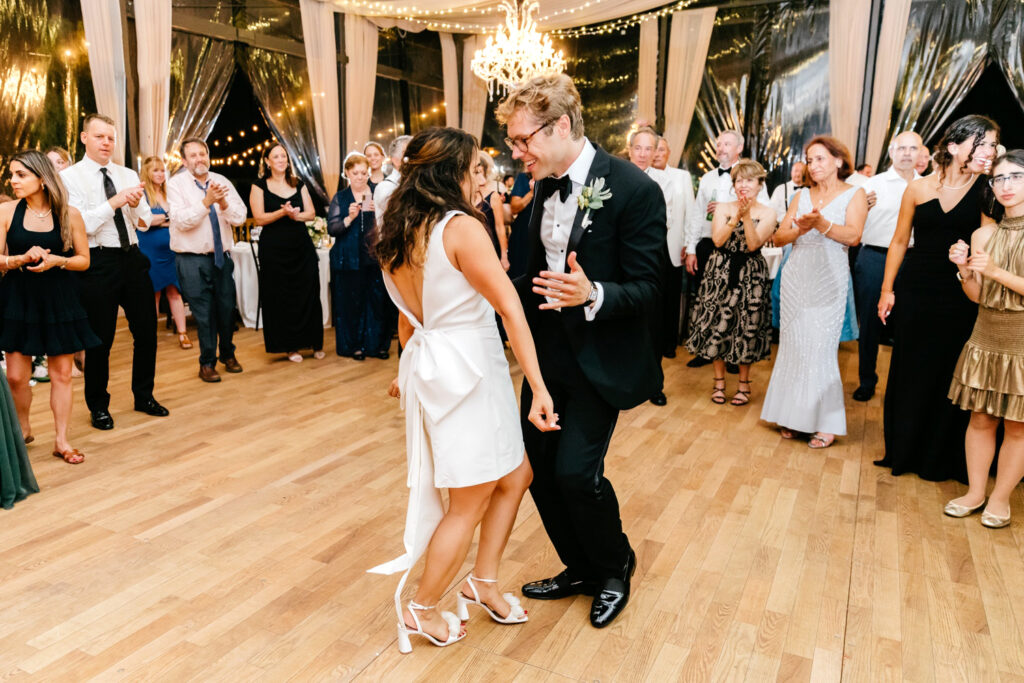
(830, 226)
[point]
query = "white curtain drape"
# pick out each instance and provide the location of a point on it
(647, 76)
(102, 20)
(689, 37)
(450, 72)
(474, 91)
(322, 64)
(887, 72)
(360, 79)
(153, 36)
(848, 23)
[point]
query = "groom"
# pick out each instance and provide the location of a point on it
(597, 249)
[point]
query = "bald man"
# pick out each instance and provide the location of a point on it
(885, 193)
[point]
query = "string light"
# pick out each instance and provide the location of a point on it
(622, 23)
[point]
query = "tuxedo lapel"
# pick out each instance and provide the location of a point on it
(598, 169)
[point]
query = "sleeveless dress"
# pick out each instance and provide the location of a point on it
(461, 417)
(932, 320)
(289, 280)
(805, 392)
(16, 478)
(989, 376)
(489, 223)
(40, 313)
(732, 314)
(155, 243)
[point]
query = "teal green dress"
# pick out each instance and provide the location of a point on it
(16, 478)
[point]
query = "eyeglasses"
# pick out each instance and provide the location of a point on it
(1015, 178)
(523, 143)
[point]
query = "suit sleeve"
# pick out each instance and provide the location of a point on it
(641, 254)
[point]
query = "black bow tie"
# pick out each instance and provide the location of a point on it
(563, 185)
(723, 171)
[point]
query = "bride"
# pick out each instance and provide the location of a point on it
(462, 423)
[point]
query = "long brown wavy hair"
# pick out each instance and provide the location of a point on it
(971, 127)
(264, 172)
(39, 166)
(438, 161)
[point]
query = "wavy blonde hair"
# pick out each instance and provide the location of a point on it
(547, 98)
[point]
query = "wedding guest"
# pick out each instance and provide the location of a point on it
(732, 318)
(866, 170)
(289, 266)
(931, 319)
(396, 150)
(805, 393)
(374, 153)
(112, 202)
(715, 186)
(44, 240)
(989, 375)
(155, 243)
(204, 206)
(884, 194)
(509, 181)
(360, 327)
(488, 201)
(17, 481)
(924, 161)
(59, 157)
(782, 195)
(442, 272)
(520, 202)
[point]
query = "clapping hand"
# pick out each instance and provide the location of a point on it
(743, 204)
(34, 255)
(291, 211)
(808, 221)
(958, 253)
(979, 262)
(46, 262)
(542, 412)
(130, 196)
(567, 289)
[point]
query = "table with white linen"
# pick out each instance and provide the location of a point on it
(247, 286)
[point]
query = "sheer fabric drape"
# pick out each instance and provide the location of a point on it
(153, 36)
(689, 38)
(474, 91)
(848, 25)
(647, 73)
(450, 74)
(322, 63)
(360, 79)
(201, 71)
(102, 21)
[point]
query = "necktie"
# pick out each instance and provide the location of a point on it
(122, 229)
(723, 171)
(218, 245)
(563, 185)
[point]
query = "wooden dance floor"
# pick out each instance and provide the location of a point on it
(229, 542)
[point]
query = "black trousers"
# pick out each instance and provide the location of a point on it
(119, 278)
(577, 504)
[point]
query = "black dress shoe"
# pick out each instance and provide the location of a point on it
(659, 399)
(101, 419)
(151, 407)
(612, 596)
(863, 393)
(562, 586)
(670, 353)
(698, 362)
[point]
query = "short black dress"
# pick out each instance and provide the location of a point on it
(40, 313)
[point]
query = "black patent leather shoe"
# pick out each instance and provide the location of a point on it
(659, 399)
(557, 587)
(612, 596)
(151, 407)
(101, 419)
(697, 362)
(863, 393)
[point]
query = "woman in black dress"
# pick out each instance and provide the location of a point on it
(289, 268)
(41, 239)
(487, 198)
(931, 318)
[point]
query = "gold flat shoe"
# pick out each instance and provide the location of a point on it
(957, 510)
(994, 521)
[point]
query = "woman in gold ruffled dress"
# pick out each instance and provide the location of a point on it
(989, 377)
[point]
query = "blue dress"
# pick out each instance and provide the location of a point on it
(155, 243)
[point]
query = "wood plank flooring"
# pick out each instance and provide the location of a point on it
(229, 542)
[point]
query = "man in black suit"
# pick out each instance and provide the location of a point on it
(597, 249)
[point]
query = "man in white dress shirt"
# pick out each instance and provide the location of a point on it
(203, 207)
(783, 194)
(113, 203)
(885, 193)
(679, 207)
(384, 190)
(715, 186)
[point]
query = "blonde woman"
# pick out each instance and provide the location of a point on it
(155, 243)
(375, 157)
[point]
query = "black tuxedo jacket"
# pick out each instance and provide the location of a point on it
(624, 249)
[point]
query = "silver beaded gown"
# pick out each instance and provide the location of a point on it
(805, 392)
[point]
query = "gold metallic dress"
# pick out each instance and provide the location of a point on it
(989, 377)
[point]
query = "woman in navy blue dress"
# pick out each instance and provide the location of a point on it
(155, 243)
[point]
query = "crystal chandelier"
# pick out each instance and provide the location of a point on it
(517, 51)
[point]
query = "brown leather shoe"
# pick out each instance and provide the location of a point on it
(208, 373)
(231, 365)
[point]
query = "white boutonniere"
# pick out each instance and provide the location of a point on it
(592, 197)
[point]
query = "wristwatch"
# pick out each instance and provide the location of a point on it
(592, 297)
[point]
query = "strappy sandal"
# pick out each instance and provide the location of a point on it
(718, 393)
(72, 456)
(183, 341)
(455, 631)
(295, 357)
(786, 433)
(742, 398)
(818, 441)
(516, 615)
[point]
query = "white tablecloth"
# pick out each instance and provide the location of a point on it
(247, 289)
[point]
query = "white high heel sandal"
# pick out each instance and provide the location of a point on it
(454, 629)
(517, 615)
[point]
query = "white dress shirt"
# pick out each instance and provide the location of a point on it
(190, 229)
(677, 186)
(84, 182)
(856, 179)
(383, 192)
(782, 196)
(880, 225)
(713, 187)
(558, 217)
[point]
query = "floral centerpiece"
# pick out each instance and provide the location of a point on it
(317, 229)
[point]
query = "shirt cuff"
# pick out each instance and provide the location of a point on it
(590, 312)
(105, 211)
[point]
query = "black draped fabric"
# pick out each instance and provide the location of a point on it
(289, 280)
(932, 320)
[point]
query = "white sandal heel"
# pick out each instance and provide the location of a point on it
(454, 629)
(517, 615)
